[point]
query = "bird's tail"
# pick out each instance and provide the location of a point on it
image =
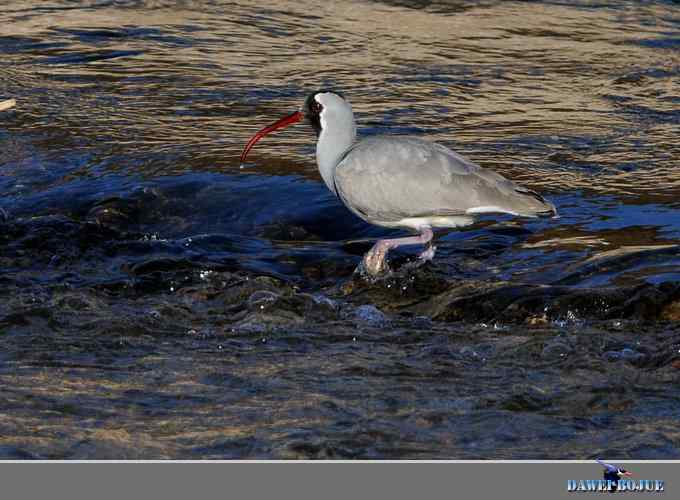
(536, 205)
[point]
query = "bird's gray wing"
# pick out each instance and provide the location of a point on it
(391, 178)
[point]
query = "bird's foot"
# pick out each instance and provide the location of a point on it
(427, 254)
(374, 262)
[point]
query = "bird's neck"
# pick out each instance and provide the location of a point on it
(335, 138)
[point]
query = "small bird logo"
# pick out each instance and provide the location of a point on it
(613, 473)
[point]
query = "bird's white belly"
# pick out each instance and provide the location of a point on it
(433, 221)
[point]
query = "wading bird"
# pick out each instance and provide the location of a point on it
(613, 473)
(402, 182)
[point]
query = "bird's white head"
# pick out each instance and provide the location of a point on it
(331, 117)
(327, 109)
(323, 109)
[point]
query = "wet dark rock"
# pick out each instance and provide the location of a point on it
(557, 349)
(238, 292)
(127, 213)
(113, 213)
(262, 304)
(526, 399)
(52, 241)
(287, 232)
(327, 273)
(625, 354)
(425, 293)
(369, 315)
(264, 322)
(649, 302)
(163, 265)
(477, 352)
(396, 291)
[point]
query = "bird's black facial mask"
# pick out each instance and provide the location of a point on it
(313, 108)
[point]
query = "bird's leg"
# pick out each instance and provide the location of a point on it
(375, 259)
(427, 254)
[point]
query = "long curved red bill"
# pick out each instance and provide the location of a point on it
(283, 122)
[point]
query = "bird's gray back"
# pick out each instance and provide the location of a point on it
(386, 179)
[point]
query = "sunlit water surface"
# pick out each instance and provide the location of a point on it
(120, 179)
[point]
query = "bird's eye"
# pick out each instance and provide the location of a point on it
(316, 107)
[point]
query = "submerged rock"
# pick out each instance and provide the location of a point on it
(556, 349)
(449, 299)
(370, 315)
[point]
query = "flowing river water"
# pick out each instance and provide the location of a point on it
(157, 300)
